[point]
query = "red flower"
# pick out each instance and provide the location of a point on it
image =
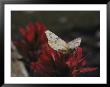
(48, 61)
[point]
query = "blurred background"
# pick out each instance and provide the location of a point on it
(67, 25)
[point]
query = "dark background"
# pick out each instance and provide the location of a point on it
(67, 25)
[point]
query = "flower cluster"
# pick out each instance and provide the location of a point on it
(45, 61)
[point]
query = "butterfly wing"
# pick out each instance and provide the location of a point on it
(55, 42)
(74, 43)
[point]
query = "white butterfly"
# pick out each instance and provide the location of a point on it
(57, 43)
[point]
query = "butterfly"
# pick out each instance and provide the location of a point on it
(57, 43)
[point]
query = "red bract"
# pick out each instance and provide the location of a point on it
(88, 69)
(45, 66)
(76, 58)
(28, 33)
(42, 67)
(77, 63)
(40, 28)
